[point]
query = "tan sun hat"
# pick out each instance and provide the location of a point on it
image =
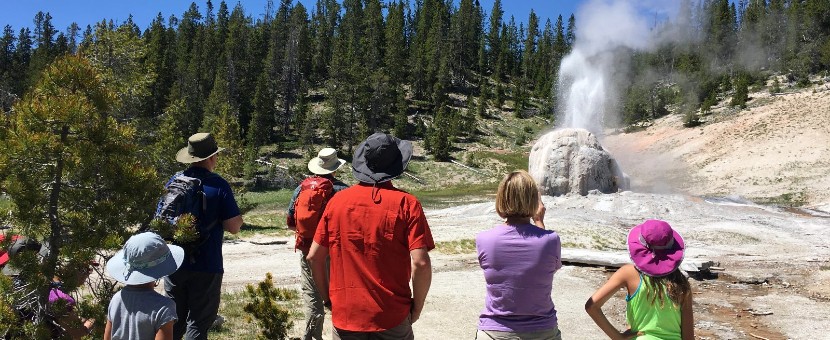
(326, 162)
(200, 146)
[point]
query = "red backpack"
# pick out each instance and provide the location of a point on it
(308, 208)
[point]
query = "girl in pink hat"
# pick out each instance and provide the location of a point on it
(659, 299)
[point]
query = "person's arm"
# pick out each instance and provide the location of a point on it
(687, 319)
(421, 280)
(75, 327)
(539, 216)
(108, 331)
(594, 304)
(289, 218)
(233, 224)
(317, 259)
(165, 332)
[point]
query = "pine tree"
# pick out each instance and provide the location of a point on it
(395, 52)
(401, 128)
(95, 189)
(6, 67)
(494, 35)
(741, 94)
(188, 78)
(45, 50)
(160, 59)
(295, 63)
(119, 54)
(21, 62)
(260, 131)
(439, 135)
(324, 22)
(570, 38)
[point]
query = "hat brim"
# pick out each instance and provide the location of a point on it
(116, 267)
(361, 171)
(185, 157)
(4, 257)
(9, 270)
(315, 168)
(655, 262)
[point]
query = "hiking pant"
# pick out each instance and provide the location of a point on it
(403, 331)
(315, 313)
(197, 301)
(551, 334)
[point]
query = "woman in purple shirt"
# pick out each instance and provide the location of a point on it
(519, 259)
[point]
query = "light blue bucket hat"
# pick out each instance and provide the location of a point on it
(145, 258)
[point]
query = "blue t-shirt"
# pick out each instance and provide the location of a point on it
(221, 205)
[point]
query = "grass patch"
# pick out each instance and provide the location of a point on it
(512, 160)
(240, 325)
(267, 216)
(467, 246)
(263, 200)
(449, 196)
(790, 199)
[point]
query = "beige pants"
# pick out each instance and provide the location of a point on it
(315, 312)
(552, 334)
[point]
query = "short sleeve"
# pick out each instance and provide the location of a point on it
(227, 204)
(321, 236)
(293, 199)
(165, 314)
(418, 233)
(556, 249)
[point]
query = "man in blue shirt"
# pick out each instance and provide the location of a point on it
(196, 287)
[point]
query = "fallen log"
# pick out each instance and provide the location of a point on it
(266, 243)
(466, 167)
(618, 259)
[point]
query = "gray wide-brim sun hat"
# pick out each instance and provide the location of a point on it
(200, 146)
(381, 158)
(145, 258)
(326, 162)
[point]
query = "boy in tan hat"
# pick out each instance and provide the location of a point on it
(304, 211)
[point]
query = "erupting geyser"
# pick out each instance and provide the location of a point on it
(572, 161)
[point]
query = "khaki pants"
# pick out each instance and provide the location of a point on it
(403, 331)
(552, 334)
(315, 312)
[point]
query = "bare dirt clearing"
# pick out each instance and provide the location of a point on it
(777, 261)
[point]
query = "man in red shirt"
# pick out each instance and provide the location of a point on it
(378, 239)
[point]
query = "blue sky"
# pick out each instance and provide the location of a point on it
(19, 13)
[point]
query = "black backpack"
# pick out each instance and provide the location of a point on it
(186, 194)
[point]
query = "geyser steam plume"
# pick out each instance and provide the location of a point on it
(587, 85)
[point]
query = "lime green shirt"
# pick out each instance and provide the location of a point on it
(655, 321)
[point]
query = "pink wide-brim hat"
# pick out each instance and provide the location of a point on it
(655, 248)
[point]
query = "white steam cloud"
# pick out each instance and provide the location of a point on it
(588, 76)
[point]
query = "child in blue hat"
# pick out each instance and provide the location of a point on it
(137, 311)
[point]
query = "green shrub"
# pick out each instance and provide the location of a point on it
(266, 308)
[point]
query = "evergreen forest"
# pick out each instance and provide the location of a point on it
(425, 70)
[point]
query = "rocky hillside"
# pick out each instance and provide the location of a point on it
(777, 150)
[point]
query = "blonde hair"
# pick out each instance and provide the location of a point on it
(517, 195)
